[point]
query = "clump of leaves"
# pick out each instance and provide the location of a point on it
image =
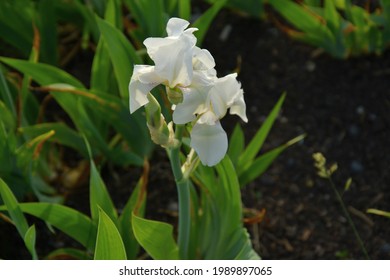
(340, 28)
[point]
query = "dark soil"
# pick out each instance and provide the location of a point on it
(342, 107)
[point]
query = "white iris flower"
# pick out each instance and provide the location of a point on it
(182, 66)
(172, 56)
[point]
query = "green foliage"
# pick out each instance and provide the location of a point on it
(95, 233)
(156, 238)
(204, 21)
(220, 232)
(23, 155)
(99, 197)
(339, 27)
(26, 233)
(109, 244)
(248, 165)
(152, 23)
(16, 24)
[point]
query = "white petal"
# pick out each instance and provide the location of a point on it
(138, 90)
(193, 103)
(224, 93)
(218, 105)
(239, 107)
(154, 44)
(229, 88)
(210, 143)
(173, 60)
(176, 26)
(203, 60)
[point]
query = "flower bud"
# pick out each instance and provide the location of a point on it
(161, 133)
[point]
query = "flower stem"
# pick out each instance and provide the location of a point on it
(184, 196)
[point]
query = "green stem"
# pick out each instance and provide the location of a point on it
(346, 213)
(184, 197)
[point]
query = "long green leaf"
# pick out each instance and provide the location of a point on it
(152, 23)
(27, 233)
(122, 53)
(16, 24)
(44, 74)
(156, 238)
(184, 9)
(109, 244)
(113, 13)
(222, 234)
(13, 209)
(204, 21)
(261, 164)
(73, 223)
(314, 29)
(99, 196)
(47, 22)
(101, 68)
(5, 94)
(236, 144)
(101, 73)
(7, 118)
(29, 240)
(257, 142)
(125, 221)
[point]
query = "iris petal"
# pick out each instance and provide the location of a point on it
(210, 143)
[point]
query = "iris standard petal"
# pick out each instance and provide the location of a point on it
(210, 142)
(176, 26)
(173, 62)
(153, 45)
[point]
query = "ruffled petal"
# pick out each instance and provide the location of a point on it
(138, 88)
(224, 93)
(173, 60)
(202, 60)
(210, 143)
(176, 26)
(153, 45)
(239, 107)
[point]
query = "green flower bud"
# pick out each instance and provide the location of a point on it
(161, 133)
